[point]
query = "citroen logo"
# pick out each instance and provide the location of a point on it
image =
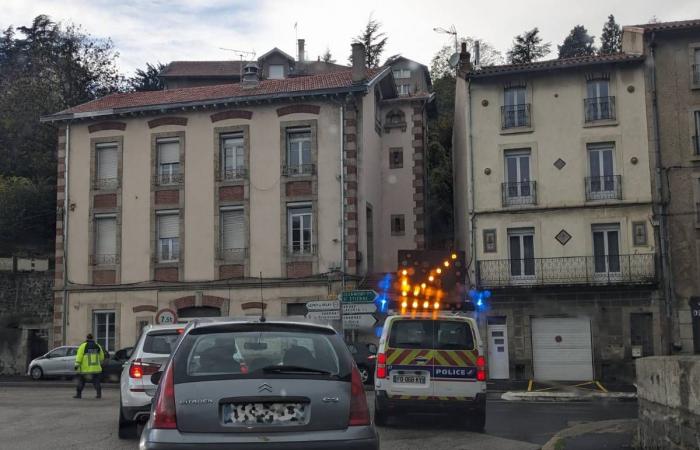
(264, 387)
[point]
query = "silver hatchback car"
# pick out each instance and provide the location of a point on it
(260, 385)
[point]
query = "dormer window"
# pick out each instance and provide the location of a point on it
(276, 72)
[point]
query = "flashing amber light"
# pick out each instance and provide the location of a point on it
(426, 304)
(404, 272)
(438, 270)
(416, 291)
(446, 264)
(404, 282)
(404, 293)
(415, 304)
(422, 285)
(431, 278)
(404, 304)
(454, 256)
(436, 305)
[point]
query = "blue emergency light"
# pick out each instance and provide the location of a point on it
(479, 297)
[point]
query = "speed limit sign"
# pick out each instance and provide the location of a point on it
(166, 316)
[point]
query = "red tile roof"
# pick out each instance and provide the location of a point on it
(265, 88)
(554, 64)
(668, 26)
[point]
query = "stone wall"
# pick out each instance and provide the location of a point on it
(25, 315)
(668, 390)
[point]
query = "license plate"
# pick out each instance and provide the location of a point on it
(409, 379)
(266, 413)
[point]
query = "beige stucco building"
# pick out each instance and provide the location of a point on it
(284, 187)
(553, 202)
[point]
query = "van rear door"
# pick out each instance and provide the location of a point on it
(409, 360)
(455, 353)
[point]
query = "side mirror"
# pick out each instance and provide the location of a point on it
(372, 348)
(155, 378)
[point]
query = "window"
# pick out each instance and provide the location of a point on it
(453, 335)
(168, 161)
(518, 188)
(490, 241)
(232, 157)
(276, 72)
(103, 329)
(299, 152)
(232, 233)
(402, 73)
(606, 248)
(106, 159)
(59, 352)
(72, 351)
(602, 182)
(168, 236)
(296, 309)
(696, 66)
(696, 136)
(521, 245)
(639, 231)
(398, 224)
(105, 239)
(161, 342)
(599, 104)
(300, 229)
(515, 108)
(404, 89)
(395, 158)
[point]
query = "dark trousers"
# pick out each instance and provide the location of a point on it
(82, 378)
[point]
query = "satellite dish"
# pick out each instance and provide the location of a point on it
(454, 59)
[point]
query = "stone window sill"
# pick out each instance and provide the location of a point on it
(601, 123)
(517, 130)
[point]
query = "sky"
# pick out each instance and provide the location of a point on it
(165, 30)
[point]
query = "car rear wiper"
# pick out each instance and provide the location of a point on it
(294, 369)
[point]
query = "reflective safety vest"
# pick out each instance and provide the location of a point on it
(89, 358)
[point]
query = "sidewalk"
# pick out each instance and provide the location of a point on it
(606, 434)
(25, 381)
(543, 392)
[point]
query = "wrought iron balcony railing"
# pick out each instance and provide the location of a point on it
(104, 259)
(294, 170)
(167, 179)
(519, 193)
(515, 116)
(237, 173)
(696, 73)
(574, 270)
(604, 188)
(105, 184)
(300, 250)
(233, 254)
(599, 108)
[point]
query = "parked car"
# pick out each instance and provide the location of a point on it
(136, 391)
(365, 355)
(113, 364)
(295, 387)
(59, 362)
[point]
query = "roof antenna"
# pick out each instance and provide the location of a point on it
(262, 302)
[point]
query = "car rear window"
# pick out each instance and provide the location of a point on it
(161, 342)
(244, 351)
(431, 334)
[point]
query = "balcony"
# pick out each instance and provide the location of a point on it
(235, 174)
(599, 108)
(167, 179)
(104, 260)
(604, 188)
(296, 170)
(104, 184)
(515, 116)
(574, 270)
(519, 193)
(233, 254)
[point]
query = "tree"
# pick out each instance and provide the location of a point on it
(611, 38)
(528, 47)
(327, 57)
(147, 79)
(577, 43)
(440, 64)
(374, 41)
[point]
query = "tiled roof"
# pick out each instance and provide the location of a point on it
(668, 26)
(265, 88)
(202, 69)
(554, 64)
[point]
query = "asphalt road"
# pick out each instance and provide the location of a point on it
(47, 417)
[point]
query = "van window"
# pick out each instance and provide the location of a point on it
(453, 335)
(161, 343)
(411, 334)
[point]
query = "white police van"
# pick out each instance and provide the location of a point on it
(431, 362)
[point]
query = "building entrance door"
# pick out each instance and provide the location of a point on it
(498, 348)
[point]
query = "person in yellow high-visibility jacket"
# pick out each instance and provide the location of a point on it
(88, 366)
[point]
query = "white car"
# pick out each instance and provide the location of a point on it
(431, 363)
(59, 362)
(152, 350)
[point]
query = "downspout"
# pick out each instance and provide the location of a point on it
(659, 193)
(342, 195)
(472, 216)
(65, 235)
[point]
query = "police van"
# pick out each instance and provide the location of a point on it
(432, 362)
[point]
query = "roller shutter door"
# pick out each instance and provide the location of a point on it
(561, 349)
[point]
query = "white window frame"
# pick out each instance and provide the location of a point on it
(296, 137)
(303, 210)
(600, 149)
(514, 98)
(101, 339)
(238, 156)
(168, 172)
(601, 101)
(100, 257)
(173, 243)
(236, 250)
(402, 73)
(522, 191)
(606, 229)
(404, 89)
(521, 233)
(106, 182)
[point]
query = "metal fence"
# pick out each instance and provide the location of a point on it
(292, 170)
(519, 193)
(599, 108)
(515, 116)
(604, 188)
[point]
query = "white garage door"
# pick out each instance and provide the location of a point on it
(561, 349)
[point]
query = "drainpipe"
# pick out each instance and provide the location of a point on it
(661, 209)
(341, 149)
(472, 215)
(66, 204)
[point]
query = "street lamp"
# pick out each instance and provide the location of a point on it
(452, 31)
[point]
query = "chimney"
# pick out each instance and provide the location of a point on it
(250, 75)
(477, 54)
(633, 40)
(359, 68)
(300, 50)
(464, 64)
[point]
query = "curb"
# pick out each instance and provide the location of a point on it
(566, 396)
(49, 384)
(604, 426)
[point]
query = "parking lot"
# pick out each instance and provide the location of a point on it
(35, 415)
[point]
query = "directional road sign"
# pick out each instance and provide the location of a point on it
(359, 308)
(323, 305)
(361, 296)
(358, 321)
(323, 315)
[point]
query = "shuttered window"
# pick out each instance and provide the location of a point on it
(107, 161)
(169, 162)
(232, 233)
(168, 237)
(105, 239)
(232, 157)
(300, 230)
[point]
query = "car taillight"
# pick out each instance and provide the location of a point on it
(164, 412)
(138, 369)
(480, 368)
(359, 413)
(381, 365)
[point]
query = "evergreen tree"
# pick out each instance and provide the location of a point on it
(577, 43)
(147, 79)
(374, 41)
(528, 47)
(327, 57)
(611, 38)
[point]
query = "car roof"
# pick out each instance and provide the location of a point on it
(223, 321)
(431, 316)
(159, 327)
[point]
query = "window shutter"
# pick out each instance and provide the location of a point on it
(233, 226)
(168, 152)
(106, 162)
(106, 236)
(168, 226)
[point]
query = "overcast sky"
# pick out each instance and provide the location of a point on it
(164, 30)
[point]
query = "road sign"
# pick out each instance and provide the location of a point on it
(166, 316)
(358, 321)
(323, 305)
(323, 315)
(363, 296)
(359, 308)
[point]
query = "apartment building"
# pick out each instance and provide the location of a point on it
(553, 202)
(227, 199)
(672, 51)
